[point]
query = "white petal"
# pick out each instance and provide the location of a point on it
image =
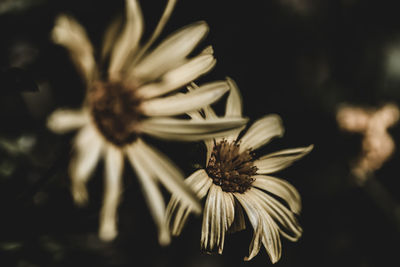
(177, 212)
(281, 188)
(208, 235)
(88, 147)
(209, 143)
(208, 111)
(279, 160)
(190, 130)
(168, 174)
(179, 77)
(261, 132)
(129, 39)
(151, 192)
(233, 106)
(238, 223)
(110, 36)
(171, 52)
(234, 101)
(65, 120)
(114, 163)
(70, 34)
(255, 220)
(218, 216)
(290, 228)
(182, 103)
(271, 239)
(160, 26)
(264, 227)
(227, 220)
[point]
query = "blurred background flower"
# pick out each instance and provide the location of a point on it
(300, 65)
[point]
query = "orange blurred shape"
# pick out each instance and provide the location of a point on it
(372, 124)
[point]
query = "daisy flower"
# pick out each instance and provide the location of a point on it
(136, 96)
(234, 179)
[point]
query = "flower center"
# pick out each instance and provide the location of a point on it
(115, 111)
(231, 169)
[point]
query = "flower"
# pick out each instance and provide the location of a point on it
(135, 97)
(234, 179)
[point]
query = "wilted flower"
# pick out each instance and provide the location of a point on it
(234, 179)
(373, 124)
(128, 101)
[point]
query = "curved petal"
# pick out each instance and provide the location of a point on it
(265, 228)
(170, 52)
(290, 228)
(128, 42)
(261, 132)
(218, 216)
(110, 35)
(233, 107)
(65, 120)
(190, 130)
(279, 160)
(160, 26)
(114, 163)
(281, 188)
(151, 192)
(70, 34)
(255, 220)
(177, 212)
(88, 146)
(271, 239)
(179, 76)
(168, 174)
(239, 222)
(208, 111)
(182, 103)
(234, 102)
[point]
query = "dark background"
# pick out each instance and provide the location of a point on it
(299, 59)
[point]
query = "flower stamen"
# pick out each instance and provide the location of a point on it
(229, 168)
(115, 111)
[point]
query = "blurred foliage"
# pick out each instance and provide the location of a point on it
(297, 58)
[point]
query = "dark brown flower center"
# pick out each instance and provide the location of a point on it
(231, 169)
(115, 111)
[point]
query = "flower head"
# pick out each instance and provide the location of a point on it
(234, 179)
(136, 96)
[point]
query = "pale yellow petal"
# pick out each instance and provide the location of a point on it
(281, 188)
(128, 41)
(110, 37)
(182, 103)
(168, 174)
(265, 229)
(239, 222)
(171, 52)
(151, 192)
(177, 212)
(160, 26)
(88, 148)
(255, 220)
(279, 160)
(179, 76)
(261, 132)
(65, 120)
(234, 101)
(190, 130)
(70, 34)
(114, 163)
(289, 226)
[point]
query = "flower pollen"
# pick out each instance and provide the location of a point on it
(115, 109)
(231, 169)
